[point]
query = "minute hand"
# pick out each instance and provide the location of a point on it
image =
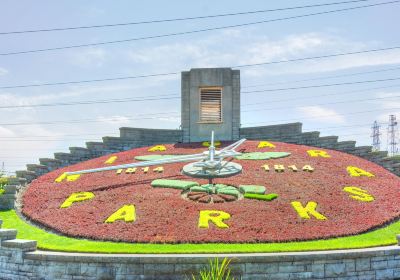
(142, 164)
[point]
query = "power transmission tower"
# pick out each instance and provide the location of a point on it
(392, 135)
(376, 141)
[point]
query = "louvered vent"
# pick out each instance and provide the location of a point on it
(211, 105)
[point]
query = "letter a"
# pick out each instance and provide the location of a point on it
(265, 144)
(156, 148)
(126, 213)
(76, 197)
(310, 209)
(214, 216)
(357, 172)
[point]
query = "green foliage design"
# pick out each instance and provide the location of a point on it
(262, 155)
(173, 184)
(267, 197)
(217, 188)
(252, 189)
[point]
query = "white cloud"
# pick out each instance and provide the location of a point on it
(6, 132)
(169, 119)
(89, 58)
(390, 103)
(115, 120)
(321, 114)
(3, 71)
(238, 47)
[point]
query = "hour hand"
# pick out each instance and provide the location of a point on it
(184, 158)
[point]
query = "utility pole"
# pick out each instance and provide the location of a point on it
(376, 141)
(392, 136)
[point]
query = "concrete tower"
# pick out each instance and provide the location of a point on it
(210, 101)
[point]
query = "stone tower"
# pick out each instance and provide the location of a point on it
(210, 101)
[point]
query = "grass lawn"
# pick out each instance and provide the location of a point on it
(53, 242)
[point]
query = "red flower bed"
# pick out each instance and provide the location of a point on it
(163, 215)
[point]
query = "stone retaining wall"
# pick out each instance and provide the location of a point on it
(20, 259)
(138, 137)
(7, 199)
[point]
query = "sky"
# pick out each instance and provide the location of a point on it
(335, 95)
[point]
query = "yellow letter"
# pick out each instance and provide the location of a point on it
(70, 178)
(359, 194)
(215, 216)
(159, 169)
(357, 172)
(76, 197)
(111, 160)
(126, 213)
(130, 170)
(318, 153)
(308, 168)
(264, 144)
(160, 148)
(207, 144)
(309, 209)
(293, 167)
(279, 168)
(145, 169)
(266, 167)
(119, 171)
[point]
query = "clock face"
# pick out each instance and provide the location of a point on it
(285, 192)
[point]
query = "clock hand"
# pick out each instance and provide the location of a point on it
(234, 145)
(206, 159)
(184, 158)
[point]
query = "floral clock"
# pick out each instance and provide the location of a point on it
(285, 192)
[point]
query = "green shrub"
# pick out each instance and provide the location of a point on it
(215, 271)
(267, 197)
(3, 182)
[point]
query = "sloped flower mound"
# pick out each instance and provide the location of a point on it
(285, 193)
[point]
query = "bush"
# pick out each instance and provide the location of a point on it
(3, 182)
(215, 271)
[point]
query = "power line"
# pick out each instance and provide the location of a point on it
(81, 121)
(91, 81)
(55, 136)
(125, 117)
(327, 115)
(319, 95)
(313, 57)
(174, 19)
(318, 86)
(194, 31)
(176, 73)
(329, 103)
(91, 102)
(325, 78)
(105, 134)
(163, 97)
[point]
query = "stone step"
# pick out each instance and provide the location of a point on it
(25, 245)
(10, 189)
(7, 234)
